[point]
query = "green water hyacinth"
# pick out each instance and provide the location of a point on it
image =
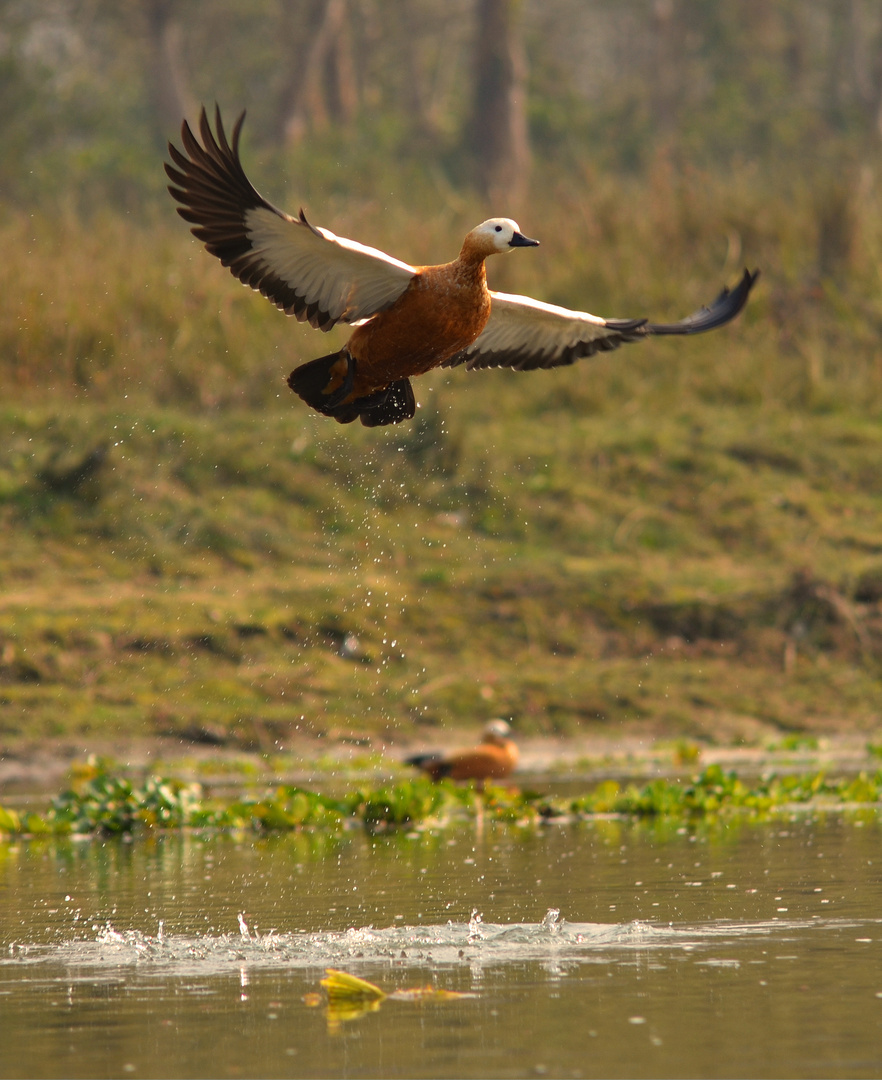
(102, 802)
(113, 804)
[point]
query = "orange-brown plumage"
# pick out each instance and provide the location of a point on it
(406, 319)
(495, 758)
(443, 309)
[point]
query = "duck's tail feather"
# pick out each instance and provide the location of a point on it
(320, 385)
(432, 764)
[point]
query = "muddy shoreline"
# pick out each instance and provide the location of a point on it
(40, 768)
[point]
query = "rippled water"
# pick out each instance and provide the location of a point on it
(592, 950)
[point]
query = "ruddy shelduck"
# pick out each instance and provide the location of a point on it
(407, 319)
(494, 759)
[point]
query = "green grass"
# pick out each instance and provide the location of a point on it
(681, 537)
(248, 575)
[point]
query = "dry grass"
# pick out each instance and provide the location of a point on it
(109, 307)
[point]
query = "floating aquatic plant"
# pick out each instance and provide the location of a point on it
(716, 790)
(288, 807)
(408, 802)
(350, 997)
(101, 801)
(341, 986)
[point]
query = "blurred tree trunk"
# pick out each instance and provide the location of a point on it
(666, 65)
(407, 22)
(320, 83)
(497, 133)
(340, 85)
(864, 61)
(168, 84)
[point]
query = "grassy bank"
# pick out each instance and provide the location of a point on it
(679, 536)
(243, 576)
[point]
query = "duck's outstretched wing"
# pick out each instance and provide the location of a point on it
(526, 334)
(307, 272)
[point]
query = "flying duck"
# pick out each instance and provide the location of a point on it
(407, 319)
(494, 759)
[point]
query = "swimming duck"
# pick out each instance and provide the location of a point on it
(407, 319)
(494, 759)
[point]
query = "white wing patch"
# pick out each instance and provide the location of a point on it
(526, 333)
(348, 280)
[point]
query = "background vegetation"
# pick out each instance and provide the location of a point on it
(680, 538)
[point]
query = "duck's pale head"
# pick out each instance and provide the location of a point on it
(496, 731)
(496, 235)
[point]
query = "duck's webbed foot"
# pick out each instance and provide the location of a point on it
(389, 406)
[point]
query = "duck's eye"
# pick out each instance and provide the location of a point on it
(499, 228)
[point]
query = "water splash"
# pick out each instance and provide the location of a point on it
(550, 922)
(475, 921)
(553, 941)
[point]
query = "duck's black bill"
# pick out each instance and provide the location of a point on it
(519, 240)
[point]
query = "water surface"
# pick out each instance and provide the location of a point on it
(600, 949)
